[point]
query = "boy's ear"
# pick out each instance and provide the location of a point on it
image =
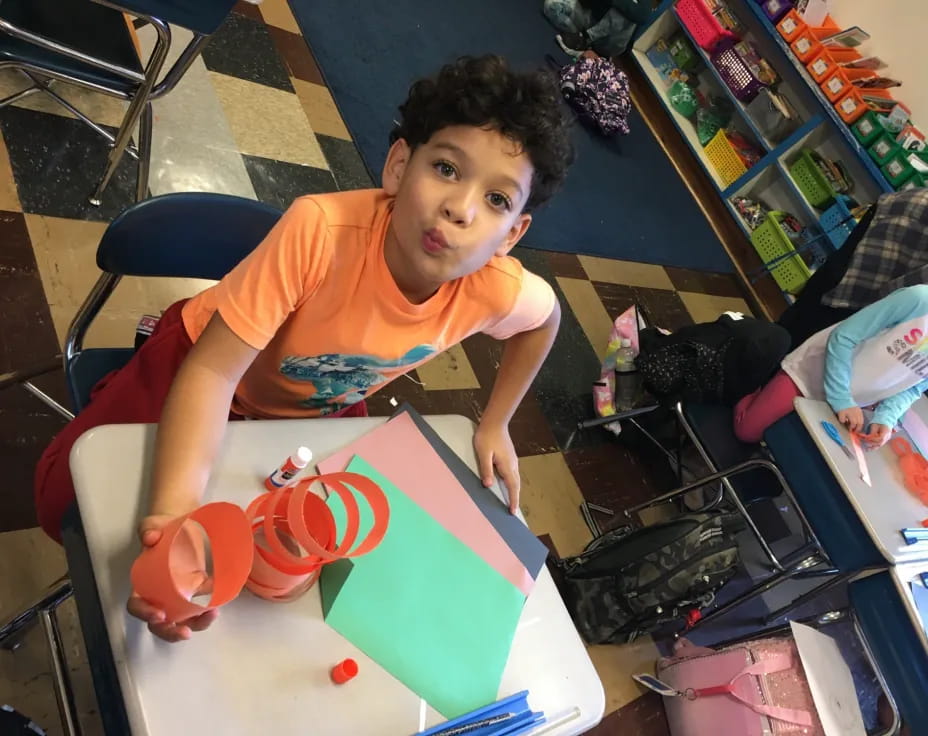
(514, 235)
(393, 168)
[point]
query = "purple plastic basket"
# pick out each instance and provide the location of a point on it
(776, 9)
(735, 73)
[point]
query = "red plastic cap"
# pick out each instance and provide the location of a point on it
(344, 671)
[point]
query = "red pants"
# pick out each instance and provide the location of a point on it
(757, 411)
(133, 394)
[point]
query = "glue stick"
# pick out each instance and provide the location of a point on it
(288, 468)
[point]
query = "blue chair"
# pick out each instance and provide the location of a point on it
(192, 235)
(195, 235)
(88, 43)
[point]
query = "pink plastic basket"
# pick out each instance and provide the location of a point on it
(701, 24)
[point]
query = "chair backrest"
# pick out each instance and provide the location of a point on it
(199, 16)
(188, 235)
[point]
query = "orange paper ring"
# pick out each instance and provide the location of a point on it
(162, 574)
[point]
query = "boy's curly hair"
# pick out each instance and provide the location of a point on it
(485, 92)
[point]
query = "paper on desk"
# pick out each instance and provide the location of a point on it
(861, 458)
(423, 605)
(399, 451)
(830, 681)
(920, 594)
(915, 426)
(519, 537)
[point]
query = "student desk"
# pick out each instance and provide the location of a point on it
(263, 668)
(885, 507)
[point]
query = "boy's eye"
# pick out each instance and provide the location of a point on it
(445, 169)
(500, 201)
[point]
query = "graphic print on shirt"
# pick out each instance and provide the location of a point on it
(341, 380)
(912, 351)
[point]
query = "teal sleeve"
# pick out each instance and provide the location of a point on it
(900, 306)
(890, 410)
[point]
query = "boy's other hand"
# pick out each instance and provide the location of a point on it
(495, 452)
(171, 631)
(852, 418)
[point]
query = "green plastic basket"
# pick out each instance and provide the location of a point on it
(683, 53)
(810, 181)
(867, 128)
(883, 148)
(913, 182)
(770, 242)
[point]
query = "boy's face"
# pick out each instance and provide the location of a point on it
(459, 201)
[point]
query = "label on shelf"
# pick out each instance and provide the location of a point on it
(788, 25)
(865, 125)
(819, 67)
(894, 168)
(848, 105)
(881, 147)
(803, 45)
(835, 85)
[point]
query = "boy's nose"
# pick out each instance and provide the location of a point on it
(459, 210)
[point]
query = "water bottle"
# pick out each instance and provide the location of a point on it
(626, 379)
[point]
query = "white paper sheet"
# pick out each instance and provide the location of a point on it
(830, 682)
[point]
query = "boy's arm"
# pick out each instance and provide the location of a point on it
(522, 357)
(194, 418)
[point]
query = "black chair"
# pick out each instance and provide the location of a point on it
(88, 43)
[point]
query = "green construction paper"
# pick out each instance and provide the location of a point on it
(423, 605)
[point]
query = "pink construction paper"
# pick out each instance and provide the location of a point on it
(400, 452)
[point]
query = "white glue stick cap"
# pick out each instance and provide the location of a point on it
(302, 456)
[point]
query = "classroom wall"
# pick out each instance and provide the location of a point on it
(899, 35)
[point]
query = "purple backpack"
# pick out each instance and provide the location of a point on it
(598, 90)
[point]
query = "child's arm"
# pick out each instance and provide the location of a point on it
(194, 418)
(890, 410)
(522, 358)
(901, 305)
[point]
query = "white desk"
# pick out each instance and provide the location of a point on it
(886, 506)
(262, 668)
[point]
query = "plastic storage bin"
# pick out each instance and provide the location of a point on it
(807, 43)
(702, 25)
(867, 128)
(841, 81)
(736, 73)
(683, 53)
(727, 164)
(853, 105)
(810, 181)
(913, 182)
(837, 221)
(791, 25)
(883, 148)
(771, 243)
(776, 9)
(826, 62)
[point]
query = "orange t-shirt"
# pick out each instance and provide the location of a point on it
(317, 299)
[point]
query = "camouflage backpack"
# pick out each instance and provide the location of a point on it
(629, 582)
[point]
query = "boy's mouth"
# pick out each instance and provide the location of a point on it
(433, 241)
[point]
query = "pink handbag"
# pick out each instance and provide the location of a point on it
(757, 688)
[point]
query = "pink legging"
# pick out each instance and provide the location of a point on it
(757, 411)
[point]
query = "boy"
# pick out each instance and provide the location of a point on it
(353, 289)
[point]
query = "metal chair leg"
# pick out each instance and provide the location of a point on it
(138, 103)
(808, 596)
(762, 587)
(145, 130)
(730, 492)
(12, 628)
(64, 693)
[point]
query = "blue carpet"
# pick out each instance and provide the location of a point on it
(623, 199)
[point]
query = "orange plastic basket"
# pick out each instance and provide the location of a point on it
(826, 61)
(807, 43)
(853, 105)
(841, 81)
(791, 26)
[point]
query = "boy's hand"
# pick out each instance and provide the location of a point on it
(878, 436)
(852, 418)
(150, 534)
(495, 451)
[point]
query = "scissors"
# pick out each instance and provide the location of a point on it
(832, 431)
